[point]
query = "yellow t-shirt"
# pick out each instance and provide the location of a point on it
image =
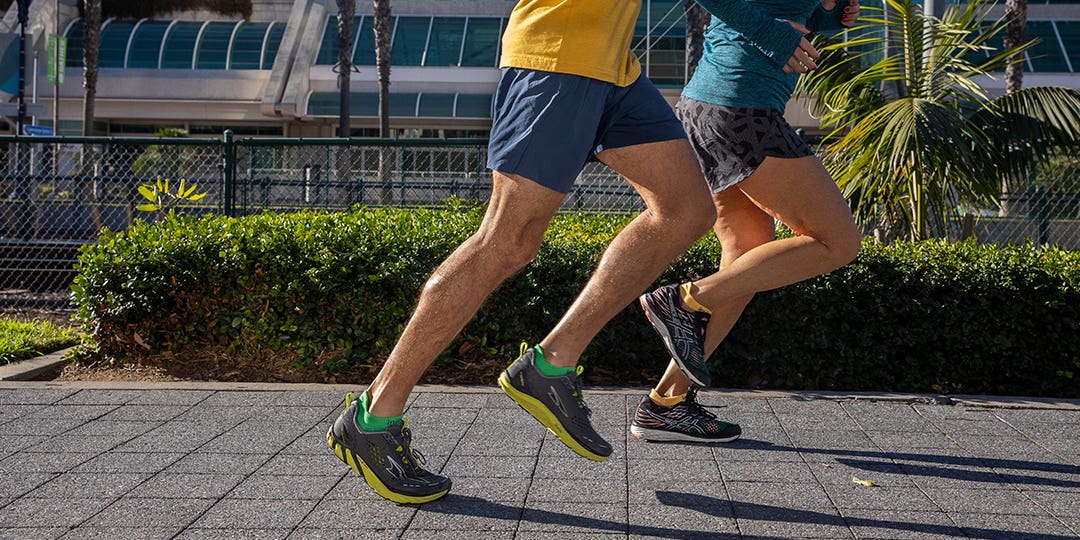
(590, 38)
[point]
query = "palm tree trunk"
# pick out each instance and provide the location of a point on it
(91, 45)
(382, 63)
(697, 20)
(1015, 34)
(88, 189)
(346, 11)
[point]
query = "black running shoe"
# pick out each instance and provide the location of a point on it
(556, 402)
(386, 459)
(685, 421)
(683, 330)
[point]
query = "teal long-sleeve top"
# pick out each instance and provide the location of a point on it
(747, 45)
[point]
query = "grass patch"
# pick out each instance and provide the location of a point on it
(20, 340)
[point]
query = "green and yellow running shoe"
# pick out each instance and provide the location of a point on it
(386, 459)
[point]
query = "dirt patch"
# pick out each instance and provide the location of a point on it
(217, 365)
(58, 317)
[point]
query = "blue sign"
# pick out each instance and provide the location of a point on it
(38, 131)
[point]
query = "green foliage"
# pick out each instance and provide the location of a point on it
(914, 138)
(20, 340)
(163, 201)
(334, 291)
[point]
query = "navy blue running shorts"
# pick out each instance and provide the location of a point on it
(547, 126)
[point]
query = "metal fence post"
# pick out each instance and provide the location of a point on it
(229, 185)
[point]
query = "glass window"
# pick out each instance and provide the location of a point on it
(364, 53)
(1046, 56)
(473, 106)
(437, 105)
(75, 45)
(481, 42)
(328, 50)
(214, 45)
(402, 104)
(114, 43)
(410, 40)
(444, 47)
(247, 46)
(146, 44)
(273, 41)
(179, 48)
(1070, 38)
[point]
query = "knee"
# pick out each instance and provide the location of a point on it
(845, 246)
(509, 251)
(699, 215)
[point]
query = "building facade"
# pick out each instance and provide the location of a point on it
(273, 74)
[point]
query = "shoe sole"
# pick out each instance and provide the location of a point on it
(355, 463)
(540, 412)
(645, 434)
(661, 329)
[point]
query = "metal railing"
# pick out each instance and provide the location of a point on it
(58, 193)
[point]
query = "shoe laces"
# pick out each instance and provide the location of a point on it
(406, 450)
(575, 389)
(692, 404)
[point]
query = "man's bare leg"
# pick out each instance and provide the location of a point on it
(678, 212)
(508, 238)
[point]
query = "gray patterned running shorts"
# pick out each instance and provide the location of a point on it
(731, 143)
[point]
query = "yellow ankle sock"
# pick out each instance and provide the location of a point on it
(666, 401)
(689, 299)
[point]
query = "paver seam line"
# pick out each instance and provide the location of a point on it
(727, 492)
(1018, 488)
(416, 508)
(117, 445)
(802, 456)
(982, 401)
(898, 466)
(19, 496)
(223, 496)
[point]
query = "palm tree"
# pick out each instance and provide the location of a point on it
(382, 65)
(910, 162)
(91, 46)
(697, 19)
(1015, 35)
(346, 10)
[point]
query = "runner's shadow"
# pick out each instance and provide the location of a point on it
(722, 508)
(464, 505)
(932, 459)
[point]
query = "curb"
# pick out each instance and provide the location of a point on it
(27, 370)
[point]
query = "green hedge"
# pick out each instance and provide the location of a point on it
(332, 291)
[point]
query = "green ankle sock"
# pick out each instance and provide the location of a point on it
(547, 369)
(370, 422)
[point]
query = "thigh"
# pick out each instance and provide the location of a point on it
(800, 193)
(666, 173)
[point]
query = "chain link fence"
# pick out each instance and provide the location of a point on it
(58, 193)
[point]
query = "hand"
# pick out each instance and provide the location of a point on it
(851, 13)
(805, 56)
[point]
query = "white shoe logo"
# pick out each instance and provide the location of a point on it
(555, 397)
(393, 468)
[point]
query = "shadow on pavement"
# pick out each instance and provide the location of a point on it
(762, 512)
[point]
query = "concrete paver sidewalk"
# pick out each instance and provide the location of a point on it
(193, 460)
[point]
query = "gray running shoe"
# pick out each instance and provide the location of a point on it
(683, 330)
(556, 402)
(386, 459)
(685, 421)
